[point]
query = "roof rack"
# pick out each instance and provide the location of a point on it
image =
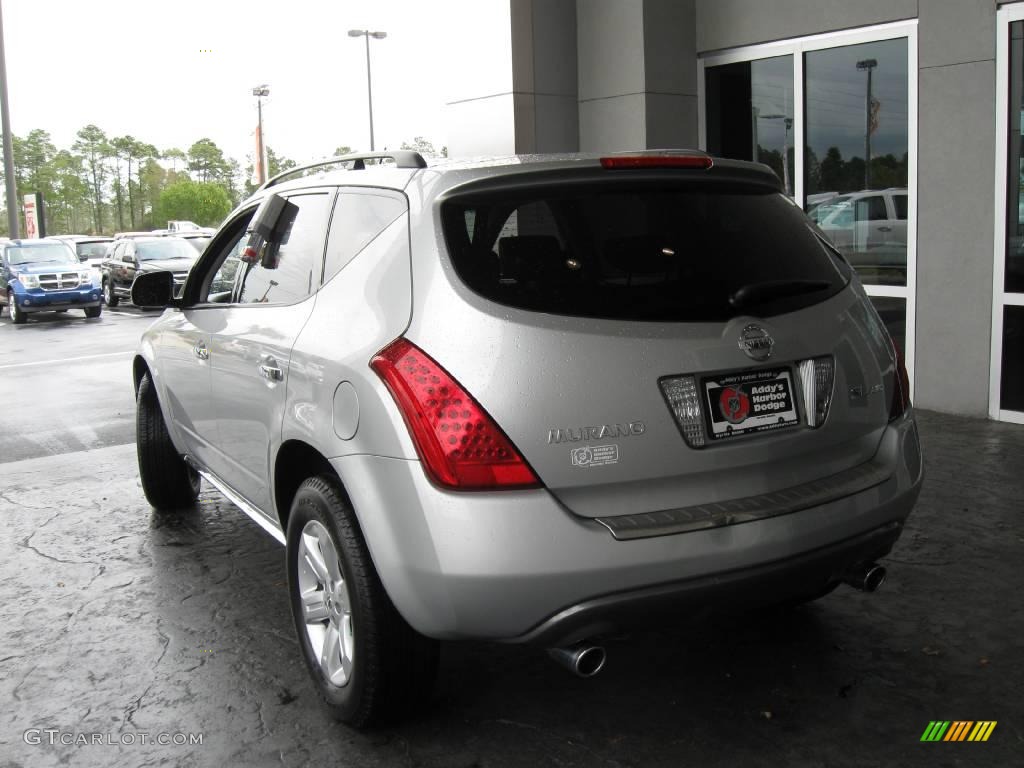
(403, 158)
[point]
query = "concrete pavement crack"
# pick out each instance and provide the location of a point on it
(134, 707)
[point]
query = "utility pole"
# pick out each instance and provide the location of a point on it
(868, 65)
(261, 160)
(13, 217)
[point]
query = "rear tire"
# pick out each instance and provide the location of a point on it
(94, 311)
(17, 315)
(381, 668)
(108, 294)
(168, 482)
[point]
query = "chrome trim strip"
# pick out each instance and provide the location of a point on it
(258, 517)
(719, 514)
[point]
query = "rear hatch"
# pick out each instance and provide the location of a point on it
(652, 339)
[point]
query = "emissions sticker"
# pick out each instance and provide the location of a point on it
(594, 456)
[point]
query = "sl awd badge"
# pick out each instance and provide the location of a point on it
(756, 342)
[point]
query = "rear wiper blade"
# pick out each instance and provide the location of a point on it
(753, 294)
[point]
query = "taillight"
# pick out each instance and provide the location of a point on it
(901, 388)
(616, 162)
(458, 442)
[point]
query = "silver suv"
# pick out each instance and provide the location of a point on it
(534, 399)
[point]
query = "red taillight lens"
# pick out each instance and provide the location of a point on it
(901, 393)
(460, 445)
(656, 161)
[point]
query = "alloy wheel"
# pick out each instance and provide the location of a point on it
(326, 607)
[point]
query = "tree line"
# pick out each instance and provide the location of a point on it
(103, 184)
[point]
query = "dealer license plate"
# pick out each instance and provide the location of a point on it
(753, 401)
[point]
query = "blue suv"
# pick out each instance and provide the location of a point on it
(45, 276)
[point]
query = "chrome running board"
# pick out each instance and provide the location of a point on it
(262, 520)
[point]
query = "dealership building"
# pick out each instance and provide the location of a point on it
(895, 123)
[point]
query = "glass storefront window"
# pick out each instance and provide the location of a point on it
(749, 107)
(893, 312)
(1014, 281)
(1011, 390)
(857, 154)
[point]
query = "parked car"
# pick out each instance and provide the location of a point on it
(44, 275)
(535, 400)
(198, 238)
(132, 256)
(870, 228)
(92, 251)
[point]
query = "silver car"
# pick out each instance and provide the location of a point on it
(533, 399)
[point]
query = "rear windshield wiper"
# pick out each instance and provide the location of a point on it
(753, 294)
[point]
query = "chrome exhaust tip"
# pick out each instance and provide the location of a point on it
(867, 577)
(583, 659)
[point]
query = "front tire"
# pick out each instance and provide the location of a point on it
(368, 664)
(94, 311)
(17, 315)
(108, 294)
(168, 482)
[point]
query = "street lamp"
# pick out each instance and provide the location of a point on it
(259, 92)
(867, 65)
(787, 123)
(367, 34)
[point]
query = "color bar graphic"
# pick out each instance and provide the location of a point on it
(958, 730)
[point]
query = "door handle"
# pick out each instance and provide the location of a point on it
(271, 373)
(885, 229)
(200, 351)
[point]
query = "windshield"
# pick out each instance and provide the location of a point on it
(690, 254)
(45, 253)
(164, 249)
(199, 243)
(91, 250)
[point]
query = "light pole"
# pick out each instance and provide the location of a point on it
(261, 160)
(868, 65)
(367, 34)
(13, 219)
(787, 123)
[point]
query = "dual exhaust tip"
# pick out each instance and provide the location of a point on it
(586, 660)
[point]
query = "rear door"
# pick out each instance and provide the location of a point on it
(251, 347)
(651, 345)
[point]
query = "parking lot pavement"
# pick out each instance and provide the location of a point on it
(118, 621)
(65, 382)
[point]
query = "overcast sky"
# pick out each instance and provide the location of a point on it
(173, 72)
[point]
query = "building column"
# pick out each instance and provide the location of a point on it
(637, 74)
(522, 99)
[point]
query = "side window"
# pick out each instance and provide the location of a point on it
(115, 254)
(901, 206)
(876, 208)
(299, 261)
(358, 219)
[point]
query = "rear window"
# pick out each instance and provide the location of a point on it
(669, 255)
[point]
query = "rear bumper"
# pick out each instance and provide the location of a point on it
(37, 300)
(518, 566)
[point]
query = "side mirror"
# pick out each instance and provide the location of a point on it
(153, 290)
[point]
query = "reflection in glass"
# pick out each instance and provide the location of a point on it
(1011, 395)
(856, 159)
(1014, 281)
(749, 107)
(893, 312)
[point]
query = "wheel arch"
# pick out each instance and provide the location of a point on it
(295, 462)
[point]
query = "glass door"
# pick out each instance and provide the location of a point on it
(836, 117)
(1006, 385)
